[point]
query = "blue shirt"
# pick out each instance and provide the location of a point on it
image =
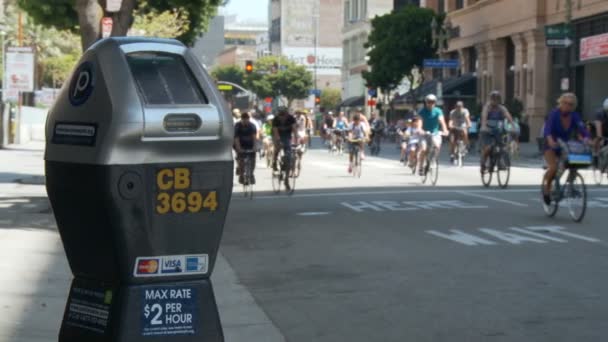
(554, 128)
(430, 119)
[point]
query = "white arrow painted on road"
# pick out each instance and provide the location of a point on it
(314, 213)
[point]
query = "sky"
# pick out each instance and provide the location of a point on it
(248, 10)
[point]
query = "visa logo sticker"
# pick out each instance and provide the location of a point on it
(171, 265)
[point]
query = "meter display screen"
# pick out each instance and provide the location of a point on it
(164, 79)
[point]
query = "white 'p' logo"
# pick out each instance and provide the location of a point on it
(82, 83)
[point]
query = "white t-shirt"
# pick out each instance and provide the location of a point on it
(358, 131)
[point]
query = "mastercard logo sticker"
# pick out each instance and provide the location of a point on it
(149, 266)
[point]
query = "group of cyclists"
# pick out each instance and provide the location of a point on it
(277, 133)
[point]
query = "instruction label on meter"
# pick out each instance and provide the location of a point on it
(169, 310)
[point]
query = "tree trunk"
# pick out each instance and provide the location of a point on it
(89, 18)
(123, 19)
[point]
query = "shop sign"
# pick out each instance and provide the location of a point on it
(594, 47)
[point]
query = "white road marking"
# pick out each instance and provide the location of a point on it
(314, 213)
(539, 232)
(362, 206)
(405, 192)
(327, 165)
(495, 199)
(462, 237)
(379, 165)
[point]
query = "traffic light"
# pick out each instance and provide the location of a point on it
(317, 99)
(249, 66)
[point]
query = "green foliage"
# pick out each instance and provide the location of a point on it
(56, 50)
(154, 23)
(229, 73)
(398, 43)
(294, 82)
(331, 98)
(63, 15)
(199, 12)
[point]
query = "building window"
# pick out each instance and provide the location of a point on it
(346, 12)
(459, 4)
(441, 6)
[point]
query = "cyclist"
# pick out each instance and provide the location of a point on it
(340, 126)
(414, 134)
(267, 134)
(302, 125)
(432, 120)
(245, 134)
(328, 125)
(236, 115)
(601, 130)
(404, 139)
(356, 131)
(284, 129)
(562, 124)
(459, 124)
(493, 115)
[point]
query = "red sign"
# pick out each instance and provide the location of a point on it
(594, 47)
(371, 103)
(106, 27)
(268, 100)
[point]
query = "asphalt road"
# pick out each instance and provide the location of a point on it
(384, 258)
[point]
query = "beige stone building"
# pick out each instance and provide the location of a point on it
(503, 43)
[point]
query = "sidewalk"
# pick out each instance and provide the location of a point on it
(35, 275)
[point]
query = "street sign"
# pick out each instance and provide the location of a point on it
(315, 92)
(559, 43)
(224, 87)
(18, 71)
(113, 5)
(441, 63)
(559, 31)
(372, 92)
(106, 27)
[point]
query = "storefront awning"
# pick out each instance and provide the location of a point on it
(464, 86)
(355, 101)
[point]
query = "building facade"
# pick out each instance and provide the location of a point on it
(357, 27)
(240, 42)
(211, 43)
(503, 43)
(307, 32)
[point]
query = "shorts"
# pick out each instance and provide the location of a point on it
(351, 147)
(436, 138)
(301, 134)
(488, 138)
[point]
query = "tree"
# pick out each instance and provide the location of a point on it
(331, 98)
(84, 16)
(290, 80)
(398, 43)
(229, 73)
(153, 23)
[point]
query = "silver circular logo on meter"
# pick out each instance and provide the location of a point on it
(82, 83)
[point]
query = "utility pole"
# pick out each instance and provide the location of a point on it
(567, 62)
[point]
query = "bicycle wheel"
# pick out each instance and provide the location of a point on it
(503, 169)
(486, 175)
(551, 208)
(434, 170)
(576, 196)
(290, 174)
(357, 164)
(425, 172)
(277, 176)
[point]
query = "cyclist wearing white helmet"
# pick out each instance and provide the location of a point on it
(432, 120)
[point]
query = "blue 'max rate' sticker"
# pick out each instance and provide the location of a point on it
(169, 310)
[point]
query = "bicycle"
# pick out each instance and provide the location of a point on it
(339, 142)
(576, 157)
(286, 173)
(460, 150)
(269, 153)
(497, 162)
(357, 164)
(431, 166)
(248, 157)
(600, 165)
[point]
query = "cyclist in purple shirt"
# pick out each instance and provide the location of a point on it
(562, 124)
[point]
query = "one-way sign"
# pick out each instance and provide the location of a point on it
(559, 43)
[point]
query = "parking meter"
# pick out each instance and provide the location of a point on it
(139, 175)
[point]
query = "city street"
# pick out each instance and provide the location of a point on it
(383, 258)
(380, 258)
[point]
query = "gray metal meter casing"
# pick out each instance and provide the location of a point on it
(139, 174)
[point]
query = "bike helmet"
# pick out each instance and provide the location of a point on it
(606, 104)
(430, 98)
(270, 117)
(495, 95)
